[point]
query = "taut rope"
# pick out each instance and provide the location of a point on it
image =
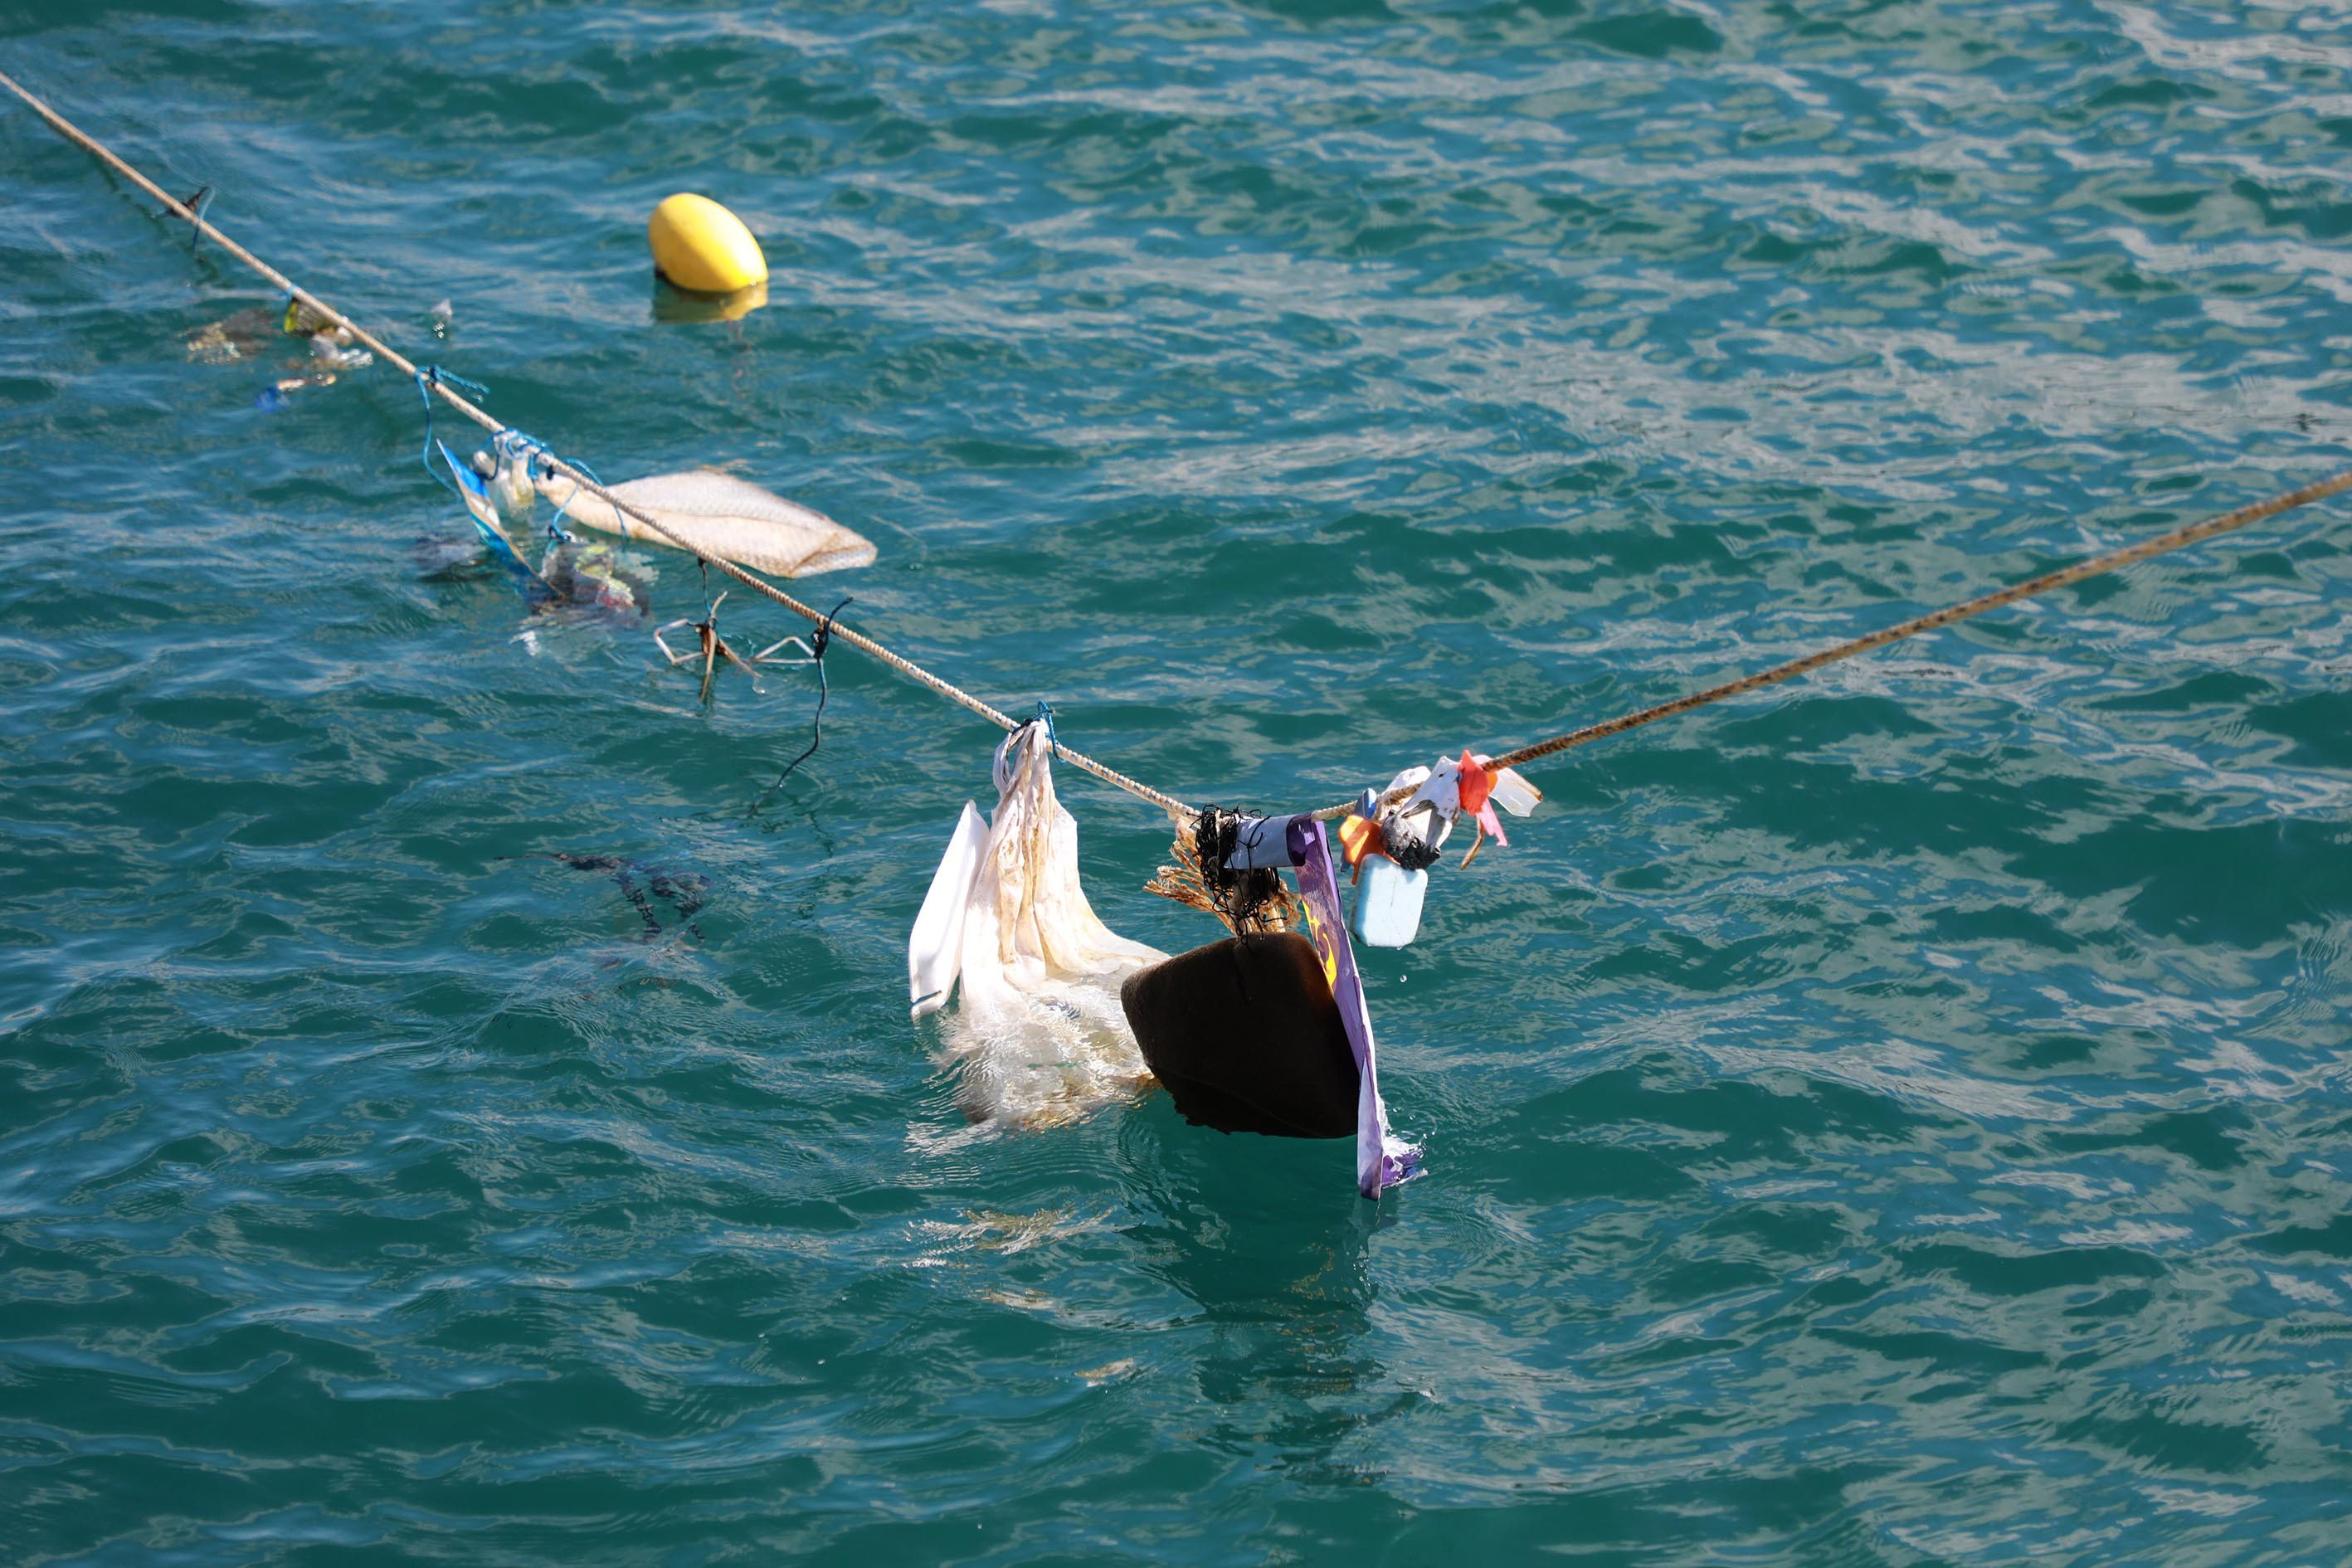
(437, 382)
(2130, 554)
(2194, 533)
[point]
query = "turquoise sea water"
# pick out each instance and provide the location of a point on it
(1899, 1120)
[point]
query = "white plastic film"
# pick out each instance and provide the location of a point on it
(1037, 1036)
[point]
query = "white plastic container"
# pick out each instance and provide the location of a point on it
(1388, 902)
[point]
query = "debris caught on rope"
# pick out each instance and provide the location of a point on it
(1214, 868)
(1184, 881)
(710, 648)
(1039, 1035)
(1392, 837)
(716, 514)
(1005, 917)
(1269, 1031)
(483, 509)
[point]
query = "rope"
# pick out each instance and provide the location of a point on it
(439, 384)
(2064, 577)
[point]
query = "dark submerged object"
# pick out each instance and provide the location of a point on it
(684, 891)
(1247, 1037)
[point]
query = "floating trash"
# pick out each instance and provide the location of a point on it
(717, 514)
(1039, 1037)
(1269, 1031)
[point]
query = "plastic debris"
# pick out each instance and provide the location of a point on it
(259, 333)
(935, 947)
(508, 474)
(1260, 842)
(718, 514)
(479, 506)
(1245, 1036)
(1039, 1037)
(1391, 847)
(1388, 902)
(1382, 1159)
(594, 575)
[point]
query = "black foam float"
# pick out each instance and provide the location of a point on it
(1245, 1035)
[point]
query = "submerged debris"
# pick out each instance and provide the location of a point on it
(260, 332)
(686, 892)
(597, 576)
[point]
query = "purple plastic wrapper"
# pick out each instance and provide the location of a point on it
(1382, 1159)
(1264, 841)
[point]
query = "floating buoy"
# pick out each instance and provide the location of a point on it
(700, 245)
(1247, 1037)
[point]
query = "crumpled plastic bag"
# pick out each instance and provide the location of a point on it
(1039, 1037)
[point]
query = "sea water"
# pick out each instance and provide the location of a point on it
(1899, 1120)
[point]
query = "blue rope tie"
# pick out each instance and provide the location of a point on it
(1045, 717)
(552, 522)
(427, 378)
(198, 204)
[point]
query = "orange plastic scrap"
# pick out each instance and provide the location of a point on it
(1360, 836)
(1474, 783)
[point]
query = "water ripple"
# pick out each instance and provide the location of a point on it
(1893, 1119)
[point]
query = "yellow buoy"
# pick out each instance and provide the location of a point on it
(701, 245)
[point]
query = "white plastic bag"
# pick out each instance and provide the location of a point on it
(1039, 1037)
